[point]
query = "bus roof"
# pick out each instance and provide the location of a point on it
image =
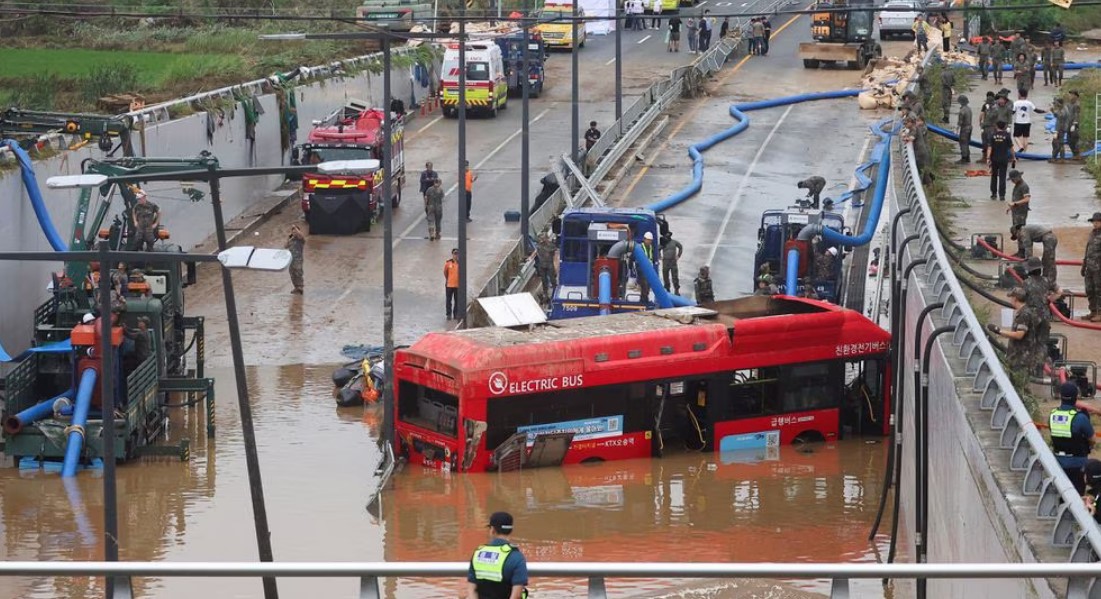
(756, 319)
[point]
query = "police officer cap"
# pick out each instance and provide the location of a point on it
(1014, 174)
(501, 522)
(1066, 391)
(1033, 264)
(1092, 470)
(1096, 217)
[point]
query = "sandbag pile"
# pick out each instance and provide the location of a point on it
(885, 80)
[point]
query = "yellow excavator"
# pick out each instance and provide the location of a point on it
(843, 35)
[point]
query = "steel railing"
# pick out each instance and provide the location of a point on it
(595, 574)
(1046, 493)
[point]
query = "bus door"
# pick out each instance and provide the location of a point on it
(681, 416)
(864, 410)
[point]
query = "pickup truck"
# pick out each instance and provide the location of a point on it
(900, 20)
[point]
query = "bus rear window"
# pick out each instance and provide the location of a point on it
(428, 408)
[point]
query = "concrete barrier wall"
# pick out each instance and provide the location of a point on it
(969, 515)
(23, 286)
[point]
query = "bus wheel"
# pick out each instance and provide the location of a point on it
(803, 440)
(593, 460)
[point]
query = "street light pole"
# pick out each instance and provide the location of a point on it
(618, 64)
(460, 296)
(575, 118)
(525, 128)
(387, 250)
(107, 393)
(252, 458)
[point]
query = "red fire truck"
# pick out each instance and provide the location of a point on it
(347, 202)
(752, 373)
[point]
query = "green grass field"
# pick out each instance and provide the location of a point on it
(152, 68)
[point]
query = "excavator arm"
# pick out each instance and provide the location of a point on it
(102, 128)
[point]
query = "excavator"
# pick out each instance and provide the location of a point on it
(841, 36)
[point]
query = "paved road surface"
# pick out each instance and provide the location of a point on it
(758, 169)
(343, 299)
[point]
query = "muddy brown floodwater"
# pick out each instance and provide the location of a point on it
(812, 506)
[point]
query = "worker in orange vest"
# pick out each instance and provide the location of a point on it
(451, 278)
(469, 187)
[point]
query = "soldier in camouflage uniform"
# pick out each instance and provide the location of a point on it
(1022, 197)
(1058, 151)
(296, 243)
(671, 251)
(1091, 269)
(998, 55)
(947, 81)
(1027, 343)
(704, 292)
(1073, 113)
(1028, 235)
(146, 216)
(544, 263)
(1023, 70)
(983, 51)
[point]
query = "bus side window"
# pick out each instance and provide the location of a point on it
(811, 386)
(753, 392)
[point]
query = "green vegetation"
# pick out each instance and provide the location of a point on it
(1075, 20)
(72, 68)
(1088, 84)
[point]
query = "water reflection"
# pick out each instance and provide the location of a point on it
(317, 462)
(794, 506)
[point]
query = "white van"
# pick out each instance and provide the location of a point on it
(486, 84)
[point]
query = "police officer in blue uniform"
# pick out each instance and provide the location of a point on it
(497, 569)
(1071, 435)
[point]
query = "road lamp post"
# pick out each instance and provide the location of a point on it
(525, 149)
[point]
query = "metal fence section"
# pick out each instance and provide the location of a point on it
(515, 270)
(1043, 491)
(595, 574)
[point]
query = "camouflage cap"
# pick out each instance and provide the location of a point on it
(1096, 217)
(1018, 293)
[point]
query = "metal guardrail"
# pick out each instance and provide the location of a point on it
(596, 574)
(1046, 493)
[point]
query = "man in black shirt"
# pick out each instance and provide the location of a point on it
(591, 136)
(999, 155)
(674, 34)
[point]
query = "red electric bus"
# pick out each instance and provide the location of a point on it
(751, 373)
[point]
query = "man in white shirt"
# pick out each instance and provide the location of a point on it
(655, 8)
(1022, 120)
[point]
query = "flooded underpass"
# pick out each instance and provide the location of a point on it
(815, 504)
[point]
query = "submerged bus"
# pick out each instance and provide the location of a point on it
(754, 372)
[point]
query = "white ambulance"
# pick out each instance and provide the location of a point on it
(486, 84)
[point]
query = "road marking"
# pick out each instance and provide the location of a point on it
(643, 39)
(743, 184)
(430, 123)
(418, 222)
(702, 3)
(610, 61)
(692, 113)
(477, 166)
(744, 4)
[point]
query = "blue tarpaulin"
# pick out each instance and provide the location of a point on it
(58, 347)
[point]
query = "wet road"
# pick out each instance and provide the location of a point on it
(758, 169)
(814, 506)
(316, 459)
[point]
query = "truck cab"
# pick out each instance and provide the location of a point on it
(559, 34)
(779, 232)
(585, 237)
(345, 203)
(486, 85)
(394, 15)
(512, 50)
